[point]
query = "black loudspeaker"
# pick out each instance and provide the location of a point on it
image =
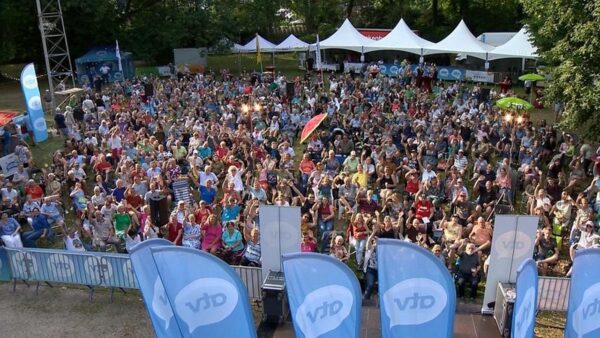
(159, 209)
(148, 89)
(485, 94)
(289, 88)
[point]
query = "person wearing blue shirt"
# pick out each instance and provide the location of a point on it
(204, 151)
(230, 212)
(119, 192)
(208, 193)
(9, 232)
(40, 229)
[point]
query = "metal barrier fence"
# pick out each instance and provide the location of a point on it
(252, 278)
(553, 293)
(92, 269)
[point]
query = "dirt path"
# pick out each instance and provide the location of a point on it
(67, 312)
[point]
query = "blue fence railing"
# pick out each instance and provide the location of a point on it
(92, 269)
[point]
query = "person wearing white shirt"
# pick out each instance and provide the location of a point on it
(428, 174)
(206, 175)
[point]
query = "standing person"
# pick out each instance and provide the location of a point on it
(116, 146)
(252, 255)
(104, 71)
(211, 235)
(370, 266)
(60, 123)
(468, 269)
(191, 233)
(233, 247)
(175, 230)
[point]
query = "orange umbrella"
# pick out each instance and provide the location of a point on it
(313, 124)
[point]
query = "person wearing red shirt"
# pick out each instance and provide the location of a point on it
(307, 166)
(423, 207)
(34, 190)
(175, 234)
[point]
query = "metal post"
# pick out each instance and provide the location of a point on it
(56, 48)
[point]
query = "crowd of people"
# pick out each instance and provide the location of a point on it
(430, 163)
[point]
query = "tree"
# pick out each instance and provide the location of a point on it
(566, 35)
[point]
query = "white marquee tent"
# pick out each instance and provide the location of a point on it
(346, 37)
(461, 40)
(291, 43)
(263, 44)
(519, 46)
(401, 38)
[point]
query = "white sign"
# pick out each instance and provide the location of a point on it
(9, 164)
(512, 243)
(279, 234)
(479, 76)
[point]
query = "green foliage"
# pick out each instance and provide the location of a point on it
(151, 29)
(566, 33)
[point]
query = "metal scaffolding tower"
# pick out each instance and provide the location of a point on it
(56, 48)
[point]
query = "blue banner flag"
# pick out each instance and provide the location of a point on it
(324, 296)
(525, 304)
(583, 314)
(33, 101)
(207, 296)
(4, 266)
(153, 291)
(416, 291)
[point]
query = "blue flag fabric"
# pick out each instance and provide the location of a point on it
(153, 291)
(583, 314)
(324, 296)
(416, 292)
(33, 101)
(526, 302)
(207, 296)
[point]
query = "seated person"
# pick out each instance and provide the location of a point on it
(51, 210)
(40, 228)
(10, 231)
(34, 191)
(27, 209)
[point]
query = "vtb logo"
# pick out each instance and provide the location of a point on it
(586, 317)
(513, 243)
(214, 300)
(525, 313)
(323, 310)
(424, 298)
(416, 301)
(206, 301)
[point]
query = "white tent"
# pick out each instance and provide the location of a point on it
(401, 38)
(495, 38)
(518, 47)
(461, 40)
(236, 48)
(264, 45)
(346, 37)
(291, 43)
